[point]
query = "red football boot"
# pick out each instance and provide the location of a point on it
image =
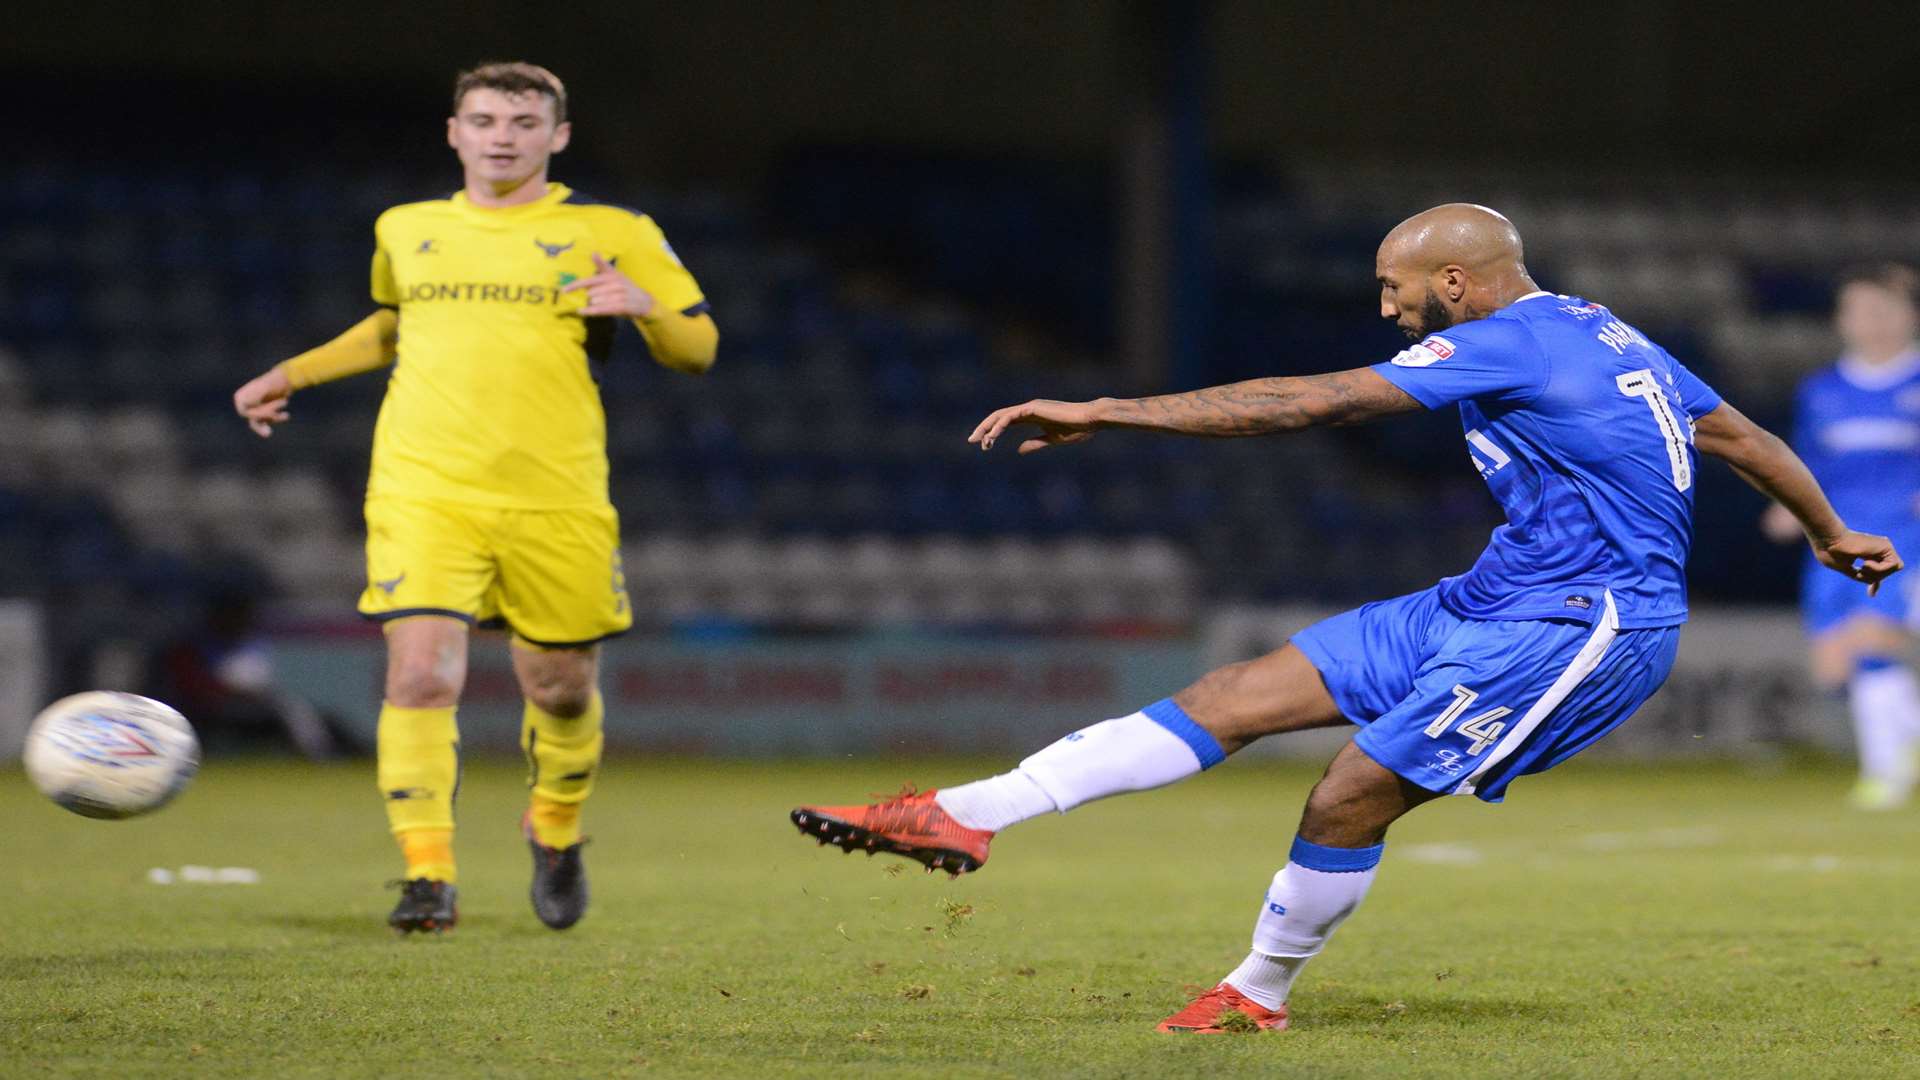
(1202, 1015)
(909, 824)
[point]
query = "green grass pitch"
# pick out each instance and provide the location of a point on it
(1608, 921)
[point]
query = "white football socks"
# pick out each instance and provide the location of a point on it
(995, 803)
(1310, 896)
(1885, 703)
(1144, 750)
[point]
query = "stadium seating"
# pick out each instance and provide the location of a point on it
(820, 476)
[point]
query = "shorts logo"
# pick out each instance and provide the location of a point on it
(390, 584)
(1581, 602)
(1276, 908)
(1431, 351)
(619, 585)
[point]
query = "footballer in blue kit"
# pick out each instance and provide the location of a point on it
(1588, 435)
(1857, 426)
(1583, 430)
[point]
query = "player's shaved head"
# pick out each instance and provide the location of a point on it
(1447, 265)
(1459, 233)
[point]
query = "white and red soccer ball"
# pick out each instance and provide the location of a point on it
(104, 754)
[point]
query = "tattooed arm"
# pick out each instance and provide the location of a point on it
(1254, 407)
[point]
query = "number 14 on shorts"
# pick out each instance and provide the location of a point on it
(1483, 728)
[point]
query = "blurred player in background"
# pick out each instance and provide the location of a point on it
(1587, 434)
(1858, 428)
(487, 501)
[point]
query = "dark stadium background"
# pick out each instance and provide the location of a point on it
(905, 215)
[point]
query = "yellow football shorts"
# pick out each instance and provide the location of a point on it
(553, 577)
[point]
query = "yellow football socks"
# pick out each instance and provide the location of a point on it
(429, 853)
(419, 774)
(562, 757)
(555, 824)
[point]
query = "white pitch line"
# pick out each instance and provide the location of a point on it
(1444, 854)
(1693, 836)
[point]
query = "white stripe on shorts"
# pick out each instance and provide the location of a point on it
(1588, 658)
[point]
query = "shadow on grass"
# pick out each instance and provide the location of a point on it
(1335, 1008)
(359, 926)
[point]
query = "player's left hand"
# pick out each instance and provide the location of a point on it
(610, 292)
(1861, 556)
(1060, 423)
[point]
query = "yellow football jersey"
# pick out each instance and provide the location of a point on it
(494, 398)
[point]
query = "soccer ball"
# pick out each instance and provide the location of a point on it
(110, 755)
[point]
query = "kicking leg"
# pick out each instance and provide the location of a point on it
(1331, 866)
(1167, 741)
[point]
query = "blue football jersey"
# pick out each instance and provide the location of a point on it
(1858, 429)
(1583, 430)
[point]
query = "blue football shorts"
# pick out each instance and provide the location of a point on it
(1828, 599)
(1463, 706)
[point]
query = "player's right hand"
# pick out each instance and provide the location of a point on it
(262, 401)
(1060, 423)
(1863, 557)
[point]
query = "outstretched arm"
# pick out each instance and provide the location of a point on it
(1254, 407)
(367, 345)
(1765, 461)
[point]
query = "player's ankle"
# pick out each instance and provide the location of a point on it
(553, 823)
(429, 854)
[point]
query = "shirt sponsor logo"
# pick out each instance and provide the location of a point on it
(1431, 351)
(478, 291)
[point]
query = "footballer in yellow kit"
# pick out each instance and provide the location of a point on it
(487, 499)
(488, 495)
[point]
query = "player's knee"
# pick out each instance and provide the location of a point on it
(420, 683)
(563, 694)
(1241, 702)
(1226, 696)
(422, 689)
